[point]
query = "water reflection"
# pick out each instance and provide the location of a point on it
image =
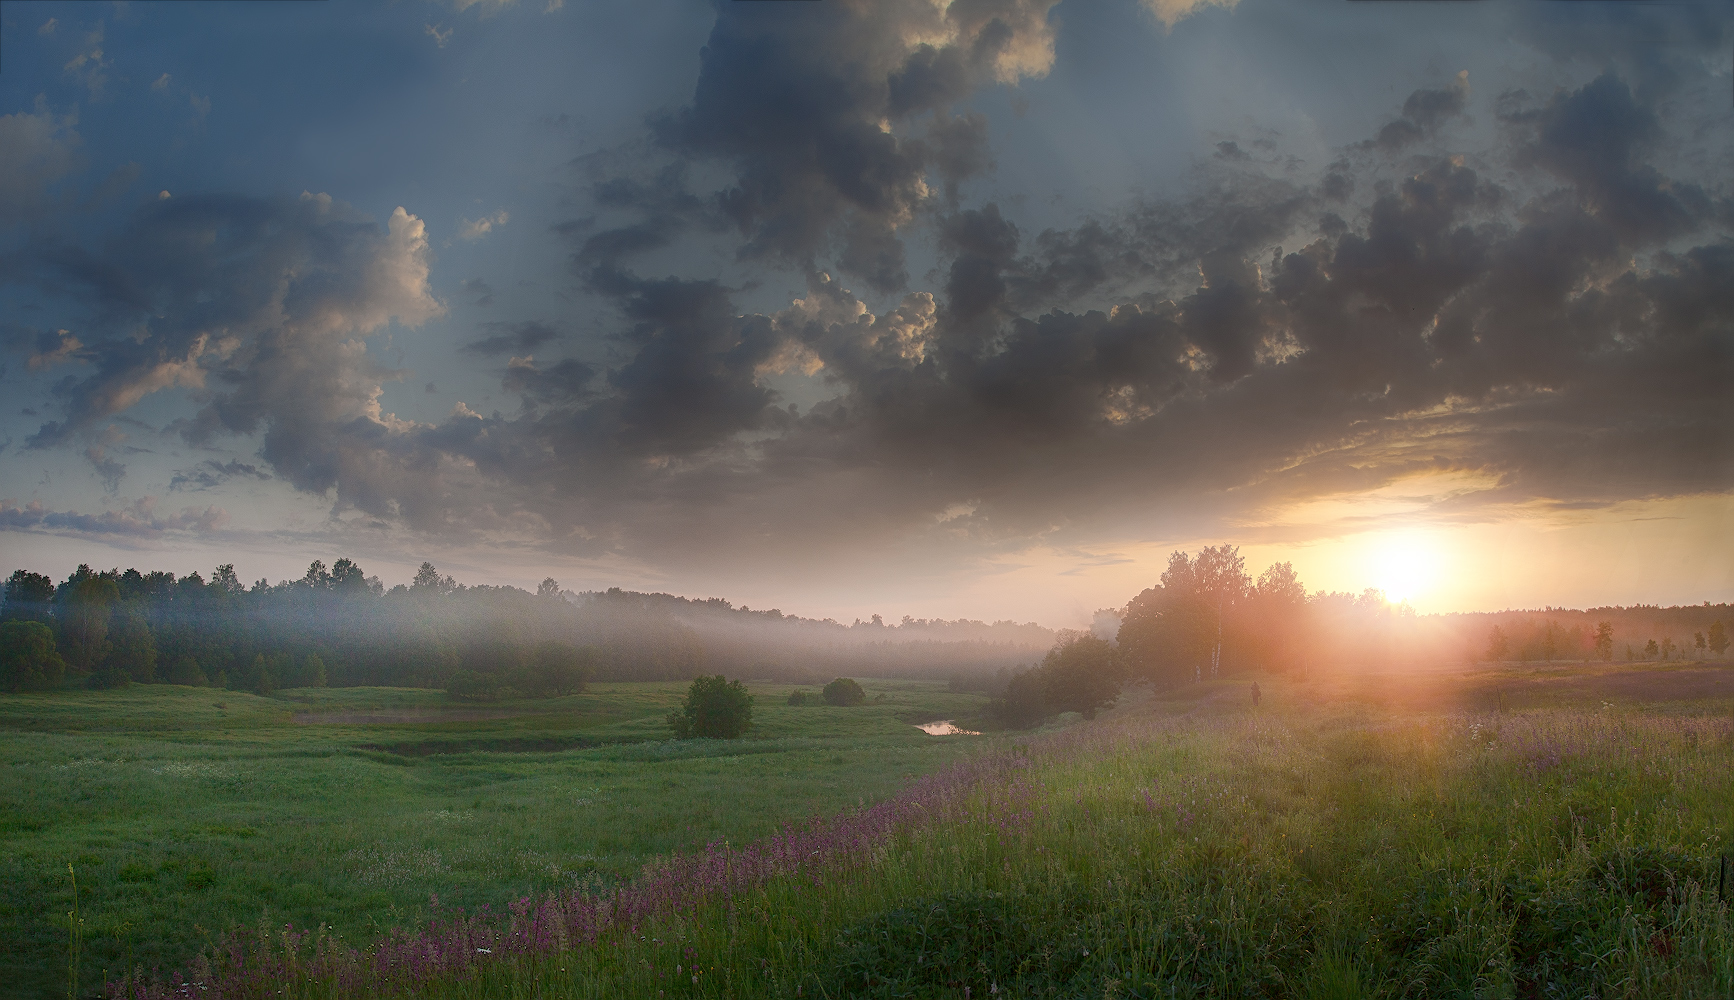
(945, 727)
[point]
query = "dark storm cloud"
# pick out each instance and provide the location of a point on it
(250, 303)
(564, 382)
(1595, 139)
(258, 310)
(1556, 345)
(833, 120)
(1423, 113)
(512, 338)
(1657, 46)
(211, 473)
(137, 520)
(1552, 320)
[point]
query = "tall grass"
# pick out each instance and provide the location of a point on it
(1305, 853)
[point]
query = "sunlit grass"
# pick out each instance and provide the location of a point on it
(1188, 847)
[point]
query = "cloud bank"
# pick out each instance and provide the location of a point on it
(1549, 317)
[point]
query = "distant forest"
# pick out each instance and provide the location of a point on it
(338, 627)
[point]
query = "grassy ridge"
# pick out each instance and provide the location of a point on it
(187, 811)
(1194, 847)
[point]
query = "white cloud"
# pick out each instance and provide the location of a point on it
(1172, 12)
(482, 226)
(440, 37)
(48, 26)
(89, 65)
(162, 82)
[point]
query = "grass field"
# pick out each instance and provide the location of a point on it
(185, 811)
(1547, 831)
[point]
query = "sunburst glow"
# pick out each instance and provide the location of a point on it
(1405, 566)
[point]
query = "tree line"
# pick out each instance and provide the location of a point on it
(337, 626)
(1527, 640)
(1207, 617)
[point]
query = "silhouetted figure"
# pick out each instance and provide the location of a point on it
(1256, 694)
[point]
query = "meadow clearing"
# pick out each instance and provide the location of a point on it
(185, 811)
(1513, 832)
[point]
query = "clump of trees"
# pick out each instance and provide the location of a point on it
(1207, 616)
(715, 708)
(28, 659)
(1083, 673)
(845, 692)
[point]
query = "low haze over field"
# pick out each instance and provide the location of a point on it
(967, 310)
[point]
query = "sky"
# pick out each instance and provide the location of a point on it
(948, 308)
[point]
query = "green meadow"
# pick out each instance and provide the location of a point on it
(183, 812)
(1512, 833)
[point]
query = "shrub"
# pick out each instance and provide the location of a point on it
(1081, 675)
(800, 697)
(715, 708)
(1025, 702)
(844, 691)
(27, 657)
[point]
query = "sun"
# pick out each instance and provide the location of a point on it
(1405, 566)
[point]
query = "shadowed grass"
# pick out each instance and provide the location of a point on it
(189, 811)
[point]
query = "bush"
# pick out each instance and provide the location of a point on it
(27, 657)
(1025, 702)
(800, 697)
(844, 691)
(715, 708)
(1081, 675)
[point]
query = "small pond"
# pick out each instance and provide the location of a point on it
(945, 727)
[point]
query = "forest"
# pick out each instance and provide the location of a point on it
(338, 627)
